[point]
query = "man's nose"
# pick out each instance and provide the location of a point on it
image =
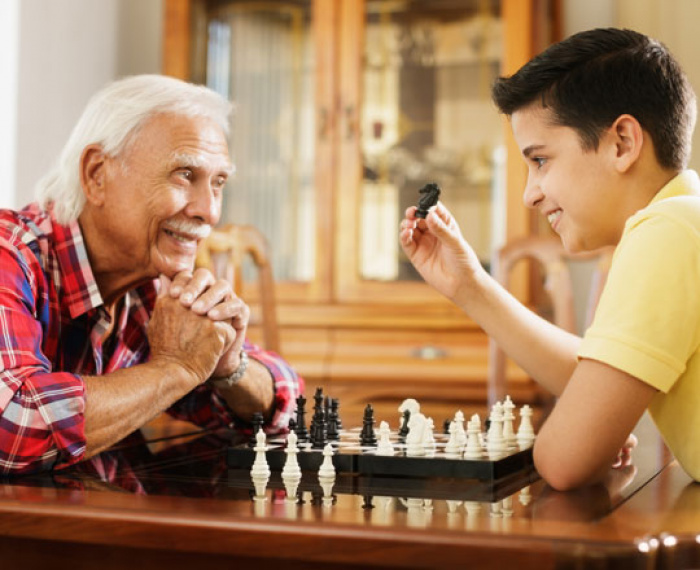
(205, 204)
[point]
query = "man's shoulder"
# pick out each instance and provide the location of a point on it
(24, 226)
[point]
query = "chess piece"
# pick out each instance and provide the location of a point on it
(327, 468)
(334, 424)
(403, 430)
(414, 439)
(301, 431)
(260, 472)
(257, 423)
(326, 475)
(526, 433)
(495, 444)
(452, 448)
(473, 448)
(385, 447)
(429, 437)
(291, 472)
(430, 194)
(367, 437)
(508, 418)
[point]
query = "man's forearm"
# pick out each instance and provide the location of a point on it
(119, 403)
(254, 392)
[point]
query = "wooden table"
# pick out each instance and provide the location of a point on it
(171, 503)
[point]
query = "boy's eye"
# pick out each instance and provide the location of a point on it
(540, 161)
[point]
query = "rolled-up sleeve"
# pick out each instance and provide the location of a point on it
(41, 412)
(204, 407)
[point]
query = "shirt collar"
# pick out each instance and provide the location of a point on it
(78, 281)
(685, 183)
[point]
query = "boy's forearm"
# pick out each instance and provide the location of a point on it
(545, 351)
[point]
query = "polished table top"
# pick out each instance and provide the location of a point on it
(172, 501)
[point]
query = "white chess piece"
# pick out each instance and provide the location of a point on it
(473, 447)
(429, 437)
(526, 433)
(414, 439)
(411, 405)
(461, 432)
(260, 471)
(327, 468)
(508, 418)
(384, 446)
(452, 448)
(495, 444)
(291, 472)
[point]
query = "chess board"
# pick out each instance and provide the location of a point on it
(352, 458)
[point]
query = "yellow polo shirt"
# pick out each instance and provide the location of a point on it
(648, 319)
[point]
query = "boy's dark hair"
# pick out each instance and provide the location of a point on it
(591, 78)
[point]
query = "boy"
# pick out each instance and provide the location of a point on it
(604, 121)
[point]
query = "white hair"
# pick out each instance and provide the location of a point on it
(111, 119)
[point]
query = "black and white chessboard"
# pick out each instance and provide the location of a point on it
(352, 458)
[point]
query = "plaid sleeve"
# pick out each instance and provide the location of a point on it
(41, 413)
(205, 408)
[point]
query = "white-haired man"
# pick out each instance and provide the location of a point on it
(103, 323)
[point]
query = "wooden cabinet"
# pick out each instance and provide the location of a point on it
(344, 109)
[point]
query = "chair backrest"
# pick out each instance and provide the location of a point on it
(223, 253)
(556, 264)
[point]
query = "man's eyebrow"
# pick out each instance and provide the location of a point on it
(192, 161)
(527, 151)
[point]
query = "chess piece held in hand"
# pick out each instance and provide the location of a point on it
(430, 194)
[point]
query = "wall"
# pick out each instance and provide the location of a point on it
(66, 51)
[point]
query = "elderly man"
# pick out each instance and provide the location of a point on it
(103, 323)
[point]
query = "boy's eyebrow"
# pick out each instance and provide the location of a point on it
(527, 151)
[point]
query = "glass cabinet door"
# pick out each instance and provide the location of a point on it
(419, 93)
(261, 55)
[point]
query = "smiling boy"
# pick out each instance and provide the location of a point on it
(604, 121)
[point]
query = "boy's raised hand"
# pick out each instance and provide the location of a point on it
(437, 249)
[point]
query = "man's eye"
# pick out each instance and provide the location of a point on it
(220, 181)
(186, 173)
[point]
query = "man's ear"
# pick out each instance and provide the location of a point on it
(93, 174)
(628, 138)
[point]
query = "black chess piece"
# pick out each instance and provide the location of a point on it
(430, 194)
(257, 422)
(367, 437)
(335, 407)
(403, 430)
(333, 432)
(318, 414)
(301, 431)
(446, 426)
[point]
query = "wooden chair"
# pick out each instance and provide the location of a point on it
(555, 263)
(223, 253)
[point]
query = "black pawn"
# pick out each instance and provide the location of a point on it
(301, 431)
(403, 430)
(257, 426)
(367, 438)
(446, 426)
(319, 436)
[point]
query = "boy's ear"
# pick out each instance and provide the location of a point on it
(92, 174)
(628, 139)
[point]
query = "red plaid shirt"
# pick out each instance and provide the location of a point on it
(52, 321)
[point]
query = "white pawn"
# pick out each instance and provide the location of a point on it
(526, 433)
(461, 433)
(429, 437)
(452, 448)
(473, 447)
(495, 444)
(327, 469)
(384, 446)
(260, 472)
(508, 418)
